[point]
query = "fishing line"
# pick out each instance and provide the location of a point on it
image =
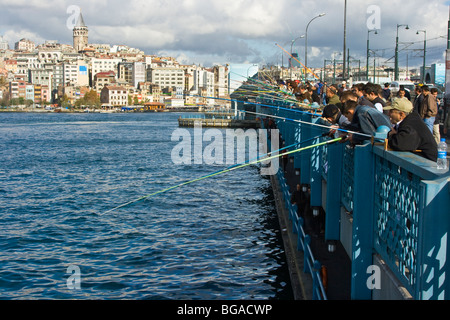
(305, 122)
(305, 67)
(223, 171)
(294, 120)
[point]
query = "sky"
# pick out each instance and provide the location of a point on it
(210, 32)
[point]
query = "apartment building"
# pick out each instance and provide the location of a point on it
(76, 73)
(103, 79)
(168, 77)
(103, 65)
(114, 96)
(24, 45)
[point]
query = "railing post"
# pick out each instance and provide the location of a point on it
(333, 202)
(305, 176)
(434, 242)
(316, 280)
(306, 256)
(315, 171)
(362, 231)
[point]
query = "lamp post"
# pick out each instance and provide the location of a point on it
(368, 53)
(253, 65)
(396, 51)
(424, 53)
(290, 60)
(306, 43)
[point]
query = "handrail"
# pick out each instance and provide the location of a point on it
(311, 265)
(399, 204)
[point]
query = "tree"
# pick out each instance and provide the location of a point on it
(64, 101)
(90, 99)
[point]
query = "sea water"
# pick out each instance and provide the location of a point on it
(60, 173)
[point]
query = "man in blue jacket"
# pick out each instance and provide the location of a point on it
(364, 119)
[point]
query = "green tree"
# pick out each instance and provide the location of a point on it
(92, 99)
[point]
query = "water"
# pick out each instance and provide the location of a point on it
(59, 173)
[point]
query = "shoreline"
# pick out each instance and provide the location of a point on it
(185, 109)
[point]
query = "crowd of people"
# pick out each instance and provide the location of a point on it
(358, 111)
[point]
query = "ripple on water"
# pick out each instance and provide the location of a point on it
(61, 174)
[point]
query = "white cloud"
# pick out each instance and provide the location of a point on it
(231, 30)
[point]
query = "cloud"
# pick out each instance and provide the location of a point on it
(237, 30)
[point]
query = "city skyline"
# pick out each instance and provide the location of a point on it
(219, 32)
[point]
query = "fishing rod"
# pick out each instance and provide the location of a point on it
(263, 105)
(313, 124)
(231, 168)
(289, 119)
(304, 67)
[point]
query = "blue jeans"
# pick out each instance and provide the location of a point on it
(430, 123)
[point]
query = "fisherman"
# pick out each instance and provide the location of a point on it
(363, 119)
(332, 95)
(410, 133)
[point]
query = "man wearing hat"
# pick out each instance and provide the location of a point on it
(410, 133)
(332, 95)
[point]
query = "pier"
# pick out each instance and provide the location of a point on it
(217, 119)
(375, 223)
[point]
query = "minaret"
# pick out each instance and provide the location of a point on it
(80, 35)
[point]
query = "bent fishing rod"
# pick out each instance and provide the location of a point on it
(231, 168)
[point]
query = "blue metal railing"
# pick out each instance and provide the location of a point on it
(311, 266)
(398, 201)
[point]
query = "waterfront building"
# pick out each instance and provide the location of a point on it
(41, 93)
(80, 34)
(114, 96)
(29, 92)
(17, 89)
(173, 103)
(74, 93)
(153, 91)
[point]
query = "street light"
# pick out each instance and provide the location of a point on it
(306, 43)
(290, 60)
(396, 51)
(368, 53)
(424, 53)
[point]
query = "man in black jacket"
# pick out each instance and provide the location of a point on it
(410, 133)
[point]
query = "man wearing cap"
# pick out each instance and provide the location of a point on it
(410, 133)
(332, 95)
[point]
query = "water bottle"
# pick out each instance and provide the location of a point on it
(442, 155)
